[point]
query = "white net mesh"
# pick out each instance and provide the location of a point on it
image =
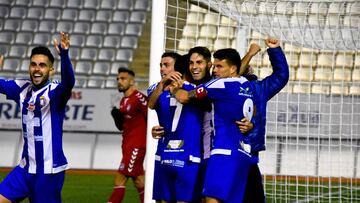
(313, 125)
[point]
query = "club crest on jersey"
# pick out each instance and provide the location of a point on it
(122, 166)
(245, 91)
(31, 107)
(42, 101)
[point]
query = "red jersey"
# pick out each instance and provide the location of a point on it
(134, 109)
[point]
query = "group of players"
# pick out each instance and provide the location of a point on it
(212, 118)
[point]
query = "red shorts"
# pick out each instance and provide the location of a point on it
(132, 162)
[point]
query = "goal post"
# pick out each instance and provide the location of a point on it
(313, 124)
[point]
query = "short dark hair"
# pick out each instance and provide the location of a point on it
(182, 64)
(231, 56)
(43, 51)
(173, 55)
(126, 70)
(203, 51)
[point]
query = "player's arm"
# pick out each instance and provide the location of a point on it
(185, 97)
(9, 87)
(272, 84)
(1, 60)
(253, 50)
(67, 71)
(118, 118)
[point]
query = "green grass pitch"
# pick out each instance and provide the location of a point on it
(94, 188)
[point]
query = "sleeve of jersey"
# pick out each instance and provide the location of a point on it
(10, 88)
(63, 90)
(151, 89)
(142, 103)
(67, 71)
(272, 84)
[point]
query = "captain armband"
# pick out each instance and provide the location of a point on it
(199, 93)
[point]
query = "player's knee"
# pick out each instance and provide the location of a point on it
(139, 183)
(120, 179)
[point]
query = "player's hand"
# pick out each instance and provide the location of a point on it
(272, 43)
(245, 125)
(254, 49)
(64, 42)
(1, 60)
(157, 132)
(169, 78)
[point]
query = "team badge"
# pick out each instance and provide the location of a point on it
(42, 101)
(122, 166)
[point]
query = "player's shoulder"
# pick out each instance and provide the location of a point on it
(141, 97)
(139, 94)
(21, 81)
(220, 82)
(151, 88)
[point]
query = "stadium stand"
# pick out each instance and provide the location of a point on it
(108, 30)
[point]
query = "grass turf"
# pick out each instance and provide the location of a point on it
(94, 188)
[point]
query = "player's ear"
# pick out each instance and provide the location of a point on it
(233, 70)
(52, 70)
(132, 81)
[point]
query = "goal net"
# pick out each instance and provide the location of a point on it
(313, 124)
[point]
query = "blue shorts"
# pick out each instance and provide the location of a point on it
(157, 181)
(226, 176)
(19, 184)
(179, 183)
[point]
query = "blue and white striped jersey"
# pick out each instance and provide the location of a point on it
(43, 112)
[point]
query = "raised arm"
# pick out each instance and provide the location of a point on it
(67, 72)
(253, 50)
(272, 84)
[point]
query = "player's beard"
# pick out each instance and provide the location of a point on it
(122, 88)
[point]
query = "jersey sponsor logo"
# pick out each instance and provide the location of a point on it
(173, 162)
(31, 107)
(245, 92)
(245, 147)
(175, 144)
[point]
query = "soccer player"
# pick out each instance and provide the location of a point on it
(167, 64)
(131, 118)
(40, 173)
(181, 149)
(266, 89)
(232, 99)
